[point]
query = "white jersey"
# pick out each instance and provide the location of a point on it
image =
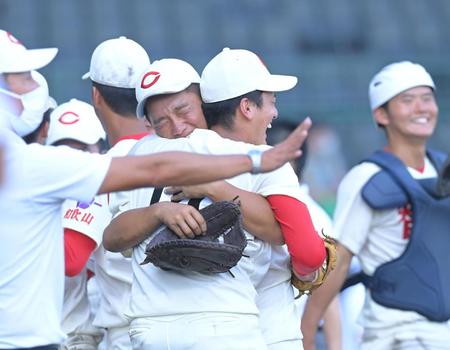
(112, 270)
(153, 292)
(38, 180)
(78, 217)
(76, 310)
(375, 236)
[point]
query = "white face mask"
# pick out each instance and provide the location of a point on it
(26, 120)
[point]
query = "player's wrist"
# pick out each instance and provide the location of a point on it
(219, 190)
(157, 210)
(311, 277)
(255, 156)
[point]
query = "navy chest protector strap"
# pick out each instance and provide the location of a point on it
(418, 280)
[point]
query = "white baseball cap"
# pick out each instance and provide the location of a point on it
(15, 58)
(166, 76)
(117, 62)
(233, 73)
(75, 120)
(395, 78)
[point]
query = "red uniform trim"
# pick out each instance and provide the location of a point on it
(77, 250)
(133, 137)
(305, 246)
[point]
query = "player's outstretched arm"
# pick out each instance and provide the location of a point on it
(181, 168)
(133, 226)
(322, 297)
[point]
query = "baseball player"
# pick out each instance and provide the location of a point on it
(381, 227)
(75, 124)
(37, 181)
(24, 94)
(114, 66)
(149, 321)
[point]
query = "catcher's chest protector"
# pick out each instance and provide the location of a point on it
(418, 280)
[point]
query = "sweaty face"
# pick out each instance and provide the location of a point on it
(411, 114)
(264, 115)
(176, 115)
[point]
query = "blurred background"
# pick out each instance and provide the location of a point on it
(334, 47)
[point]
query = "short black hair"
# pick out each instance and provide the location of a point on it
(121, 100)
(32, 137)
(222, 112)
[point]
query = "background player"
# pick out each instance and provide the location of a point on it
(403, 105)
(75, 124)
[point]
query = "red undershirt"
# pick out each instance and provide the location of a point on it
(77, 250)
(305, 246)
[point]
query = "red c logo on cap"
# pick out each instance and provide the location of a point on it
(12, 38)
(155, 77)
(69, 118)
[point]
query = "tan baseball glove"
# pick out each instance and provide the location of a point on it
(307, 287)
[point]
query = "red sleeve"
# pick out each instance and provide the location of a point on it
(77, 249)
(305, 246)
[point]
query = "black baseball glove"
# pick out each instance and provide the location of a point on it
(217, 251)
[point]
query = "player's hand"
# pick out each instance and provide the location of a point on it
(195, 191)
(184, 220)
(286, 150)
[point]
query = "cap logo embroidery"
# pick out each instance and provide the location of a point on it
(68, 118)
(13, 39)
(149, 79)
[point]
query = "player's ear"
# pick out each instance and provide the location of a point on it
(381, 116)
(246, 108)
(148, 121)
(97, 98)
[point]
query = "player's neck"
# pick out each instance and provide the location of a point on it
(235, 134)
(412, 156)
(119, 127)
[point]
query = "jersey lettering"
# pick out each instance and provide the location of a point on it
(406, 218)
(77, 215)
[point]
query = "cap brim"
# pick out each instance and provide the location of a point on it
(30, 60)
(276, 83)
(86, 76)
(86, 139)
(174, 88)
